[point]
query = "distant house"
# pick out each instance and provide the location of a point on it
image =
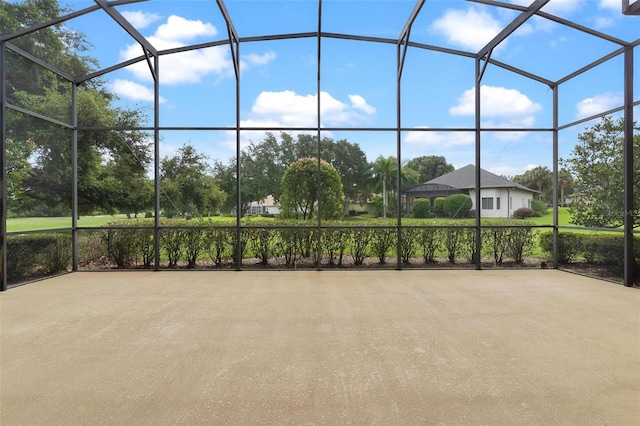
(268, 205)
(499, 196)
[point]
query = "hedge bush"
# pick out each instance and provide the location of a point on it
(457, 205)
(570, 245)
(382, 241)
(438, 206)
(539, 208)
(523, 213)
(603, 248)
(421, 208)
(36, 255)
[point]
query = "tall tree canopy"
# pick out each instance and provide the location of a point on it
(597, 162)
(429, 167)
(385, 178)
(112, 165)
(539, 178)
(301, 197)
(187, 186)
(263, 164)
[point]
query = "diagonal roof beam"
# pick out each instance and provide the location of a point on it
(514, 25)
(414, 14)
(556, 19)
(40, 62)
(234, 38)
(406, 31)
(61, 19)
(126, 25)
(631, 9)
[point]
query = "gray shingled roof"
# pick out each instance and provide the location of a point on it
(465, 178)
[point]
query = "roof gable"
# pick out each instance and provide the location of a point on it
(465, 178)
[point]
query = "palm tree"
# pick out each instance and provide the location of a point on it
(565, 181)
(384, 170)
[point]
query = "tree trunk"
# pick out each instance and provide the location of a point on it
(384, 198)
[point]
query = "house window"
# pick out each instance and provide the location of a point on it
(497, 203)
(487, 204)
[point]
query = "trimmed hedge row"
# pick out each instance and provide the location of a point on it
(604, 249)
(32, 256)
(130, 244)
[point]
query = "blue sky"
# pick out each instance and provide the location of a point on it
(358, 79)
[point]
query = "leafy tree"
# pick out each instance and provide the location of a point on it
(250, 183)
(351, 164)
(385, 176)
(538, 178)
(263, 164)
(597, 162)
(18, 169)
(539, 208)
(565, 184)
(429, 167)
(57, 45)
(301, 195)
(41, 151)
(457, 205)
(109, 162)
(187, 185)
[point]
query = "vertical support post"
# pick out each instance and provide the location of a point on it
(239, 242)
(630, 212)
(74, 176)
(399, 153)
(156, 161)
(555, 176)
(319, 124)
(3, 166)
(478, 201)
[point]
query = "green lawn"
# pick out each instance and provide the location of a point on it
(564, 218)
(43, 223)
(21, 224)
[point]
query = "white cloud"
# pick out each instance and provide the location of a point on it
(255, 59)
(439, 139)
(500, 108)
(290, 109)
(604, 22)
(471, 29)
(360, 103)
(611, 4)
(555, 7)
(598, 104)
(132, 90)
(185, 67)
(180, 29)
(557, 42)
(140, 19)
(506, 105)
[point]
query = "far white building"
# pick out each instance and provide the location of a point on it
(499, 196)
(267, 205)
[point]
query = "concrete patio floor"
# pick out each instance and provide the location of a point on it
(333, 347)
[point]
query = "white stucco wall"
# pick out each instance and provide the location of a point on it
(510, 200)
